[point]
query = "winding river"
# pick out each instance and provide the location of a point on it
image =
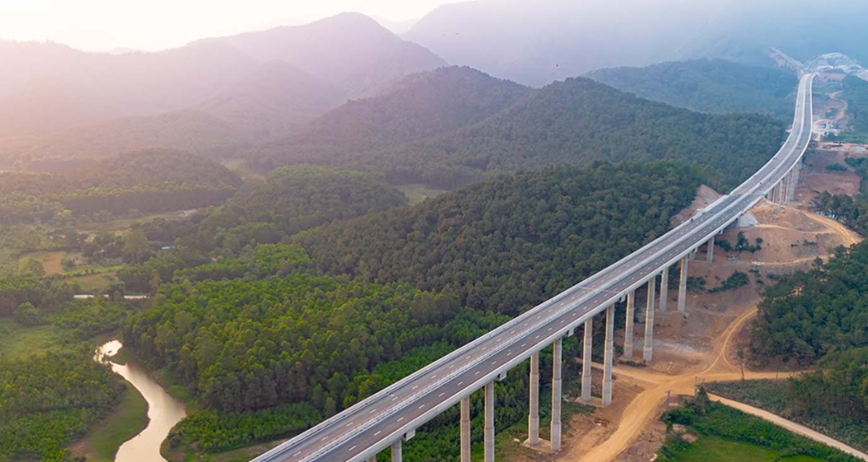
(164, 411)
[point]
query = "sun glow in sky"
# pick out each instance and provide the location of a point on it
(101, 25)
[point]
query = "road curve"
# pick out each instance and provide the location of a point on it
(370, 426)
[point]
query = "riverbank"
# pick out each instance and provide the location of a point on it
(162, 413)
(103, 441)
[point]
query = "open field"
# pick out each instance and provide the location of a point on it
(17, 340)
(710, 448)
(417, 193)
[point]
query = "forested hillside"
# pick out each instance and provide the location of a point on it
(292, 199)
(418, 107)
(509, 243)
(575, 122)
(817, 320)
(148, 181)
(856, 94)
(704, 85)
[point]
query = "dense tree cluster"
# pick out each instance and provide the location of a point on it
(510, 243)
(708, 85)
(33, 291)
(809, 314)
(575, 122)
(292, 199)
(247, 345)
(856, 94)
(147, 181)
(48, 400)
(820, 317)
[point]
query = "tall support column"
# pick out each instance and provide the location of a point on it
(489, 422)
(533, 419)
(682, 286)
(786, 182)
(709, 250)
(610, 353)
(396, 451)
(465, 429)
(586, 360)
(664, 290)
(557, 365)
(649, 321)
(628, 326)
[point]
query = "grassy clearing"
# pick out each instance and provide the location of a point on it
(51, 260)
(417, 193)
(710, 448)
(17, 340)
(94, 282)
(131, 417)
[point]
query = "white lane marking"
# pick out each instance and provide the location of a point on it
(393, 399)
(451, 366)
(522, 345)
(378, 432)
(477, 373)
(297, 453)
(460, 383)
(372, 411)
(347, 425)
(351, 449)
(400, 419)
(417, 386)
(441, 394)
(324, 438)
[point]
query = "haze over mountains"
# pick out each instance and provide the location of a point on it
(278, 96)
(261, 82)
(537, 42)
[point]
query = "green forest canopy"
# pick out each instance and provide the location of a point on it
(149, 181)
(575, 122)
(510, 243)
(708, 85)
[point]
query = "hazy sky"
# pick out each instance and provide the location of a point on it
(157, 24)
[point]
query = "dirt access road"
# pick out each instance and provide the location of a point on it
(702, 346)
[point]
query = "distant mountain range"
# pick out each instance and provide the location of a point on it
(261, 83)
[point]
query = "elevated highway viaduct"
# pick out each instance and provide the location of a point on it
(386, 419)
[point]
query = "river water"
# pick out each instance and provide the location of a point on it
(164, 411)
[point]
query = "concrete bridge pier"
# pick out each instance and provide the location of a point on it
(628, 326)
(533, 419)
(664, 290)
(649, 321)
(465, 429)
(557, 365)
(709, 250)
(396, 451)
(489, 422)
(586, 360)
(609, 355)
(682, 286)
